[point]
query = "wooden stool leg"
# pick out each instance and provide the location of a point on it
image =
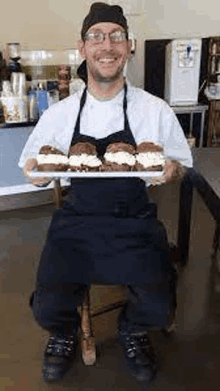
(58, 199)
(87, 338)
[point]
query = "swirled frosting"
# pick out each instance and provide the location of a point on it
(120, 158)
(150, 159)
(84, 159)
(52, 159)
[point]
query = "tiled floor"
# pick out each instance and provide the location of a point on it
(190, 359)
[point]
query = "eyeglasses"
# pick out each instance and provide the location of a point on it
(99, 37)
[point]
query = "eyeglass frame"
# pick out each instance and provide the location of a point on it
(104, 36)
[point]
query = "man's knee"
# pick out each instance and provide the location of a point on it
(52, 310)
(42, 308)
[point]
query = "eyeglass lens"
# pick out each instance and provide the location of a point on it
(115, 36)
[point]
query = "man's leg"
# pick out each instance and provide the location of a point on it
(55, 309)
(145, 309)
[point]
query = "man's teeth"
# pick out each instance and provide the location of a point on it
(106, 60)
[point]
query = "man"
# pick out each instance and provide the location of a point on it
(108, 231)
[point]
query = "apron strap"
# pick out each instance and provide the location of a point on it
(125, 98)
(82, 103)
(125, 105)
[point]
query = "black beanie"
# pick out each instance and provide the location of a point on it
(102, 12)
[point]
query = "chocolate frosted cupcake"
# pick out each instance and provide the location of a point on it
(149, 157)
(83, 157)
(119, 157)
(51, 159)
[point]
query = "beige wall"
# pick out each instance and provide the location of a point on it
(55, 24)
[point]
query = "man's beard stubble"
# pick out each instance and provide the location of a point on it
(98, 77)
(108, 79)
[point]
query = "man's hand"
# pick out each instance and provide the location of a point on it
(30, 165)
(172, 171)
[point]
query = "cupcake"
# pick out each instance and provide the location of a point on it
(83, 157)
(51, 159)
(119, 157)
(149, 157)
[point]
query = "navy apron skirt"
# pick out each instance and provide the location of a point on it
(107, 231)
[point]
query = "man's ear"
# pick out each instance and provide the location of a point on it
(81, 49)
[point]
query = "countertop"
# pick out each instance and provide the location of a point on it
(12, 141)
(207, 163)
(15, 191)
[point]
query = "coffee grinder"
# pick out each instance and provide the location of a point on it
(14, 53)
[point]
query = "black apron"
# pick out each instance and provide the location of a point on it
(107, 231)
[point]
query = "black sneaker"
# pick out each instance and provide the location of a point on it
(140, 355)
(58, 357)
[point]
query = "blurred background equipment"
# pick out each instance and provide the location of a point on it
(182, 69)
(64, 77)
(14, 53)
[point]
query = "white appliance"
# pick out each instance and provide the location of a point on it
(182, 70)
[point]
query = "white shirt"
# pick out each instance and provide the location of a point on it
(150, 119)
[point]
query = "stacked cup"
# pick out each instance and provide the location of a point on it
(18, 82)
(7, 89)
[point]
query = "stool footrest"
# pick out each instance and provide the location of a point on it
(109, 308)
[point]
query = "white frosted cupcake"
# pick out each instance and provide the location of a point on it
(51, 159)
(149, 157)
(119, 157)
(83, 157)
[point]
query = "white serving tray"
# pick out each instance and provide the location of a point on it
(112, 174)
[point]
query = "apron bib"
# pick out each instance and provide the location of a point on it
(107, 231)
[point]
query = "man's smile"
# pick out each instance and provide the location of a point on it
(107, 60)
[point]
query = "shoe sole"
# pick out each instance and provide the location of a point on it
(152, 376)
(52, 379)
(70, 366)
(148, 377)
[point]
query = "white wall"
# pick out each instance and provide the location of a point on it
(55, 24)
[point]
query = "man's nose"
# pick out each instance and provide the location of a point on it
(107, 42)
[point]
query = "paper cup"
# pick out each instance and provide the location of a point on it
(15, 78)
